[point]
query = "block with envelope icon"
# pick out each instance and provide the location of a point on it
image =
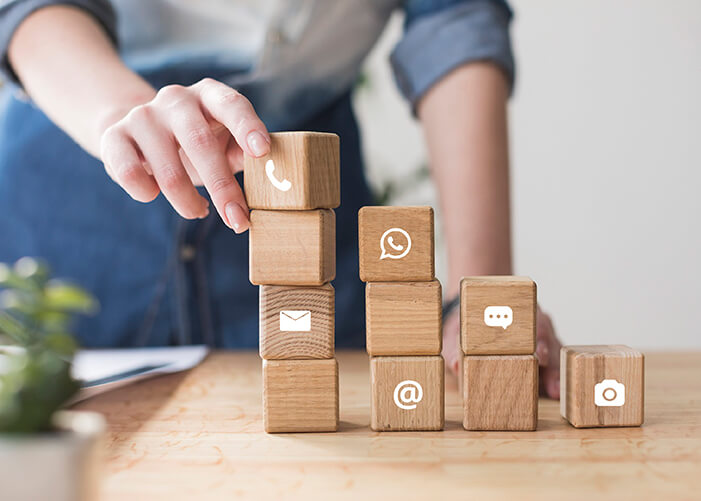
(301, 172)
(296, 322)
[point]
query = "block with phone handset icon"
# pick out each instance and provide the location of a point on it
(300, 395)
(403, 318)
(301, 172)
(602, 385)
(296, 322)
(500, 392)
(292, 247)
(497, 315)
(396, 244)
(407, 393)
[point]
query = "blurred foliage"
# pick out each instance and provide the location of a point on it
(35, 317)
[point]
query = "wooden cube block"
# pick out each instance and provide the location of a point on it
(497, 315)
(407, 393)
(300, 395)
(396, 244)
(292, 247)
(403, 318)
(602, 386)
(301, 172)
(296, 322)
(500, 392)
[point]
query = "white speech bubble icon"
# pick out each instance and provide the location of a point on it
(498, 316)
(390, 248)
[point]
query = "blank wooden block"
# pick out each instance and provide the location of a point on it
(292, 247)
(602, 386)
(407, 393)
(403, 318)
(300, 395)
(300, 173)
(497, 315)
(396, 244)
(296, 322)
(500, 392)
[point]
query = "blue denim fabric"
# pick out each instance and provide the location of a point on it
(160, 279)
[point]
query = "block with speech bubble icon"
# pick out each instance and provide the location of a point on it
(602, 385)
(396, 244)
(497, 315)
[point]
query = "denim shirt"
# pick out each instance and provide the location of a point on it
(163, 280)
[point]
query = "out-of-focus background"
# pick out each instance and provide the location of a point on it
(605, 129)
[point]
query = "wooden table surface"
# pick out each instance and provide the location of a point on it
(199, 435)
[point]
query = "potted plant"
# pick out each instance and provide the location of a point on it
(45, 452)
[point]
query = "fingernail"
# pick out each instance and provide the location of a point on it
(238, 219)
(258, 143)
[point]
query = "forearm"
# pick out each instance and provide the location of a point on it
(464, 120)
(69, 67)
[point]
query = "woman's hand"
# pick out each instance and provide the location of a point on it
(184, 137)
(547, 350)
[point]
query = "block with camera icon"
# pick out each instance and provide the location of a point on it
(292, 247)
(396, 244)
(300, 395)
(407, 393)
(296, 322)
(500, 392)
(301, 172)
(602, 385)
(403, 318)
(497, 315)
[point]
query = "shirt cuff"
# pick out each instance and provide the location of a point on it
(435, 44)
(12, 14)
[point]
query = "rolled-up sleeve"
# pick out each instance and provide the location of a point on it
(13, 12)
(442, 35)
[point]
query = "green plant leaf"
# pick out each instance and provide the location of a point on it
(61, 296)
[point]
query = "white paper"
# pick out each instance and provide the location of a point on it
(119, 367)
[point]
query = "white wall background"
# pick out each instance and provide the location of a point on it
(606, 163)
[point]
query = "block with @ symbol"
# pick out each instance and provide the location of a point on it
(408, 393)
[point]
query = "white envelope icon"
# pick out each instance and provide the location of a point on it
(295, 320)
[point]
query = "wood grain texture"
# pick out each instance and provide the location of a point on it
(417, 265)
(199, 435)
(317, 343)
(500, 392)
(308, 160)
(292, 247)
(388, 373)
(476, 294)
(300, 395)
(403, 318)
(583, 367)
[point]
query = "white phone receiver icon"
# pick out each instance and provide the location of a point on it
(283, 185)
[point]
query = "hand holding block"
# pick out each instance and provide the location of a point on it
(497, 315)
(292, 247)
(300, 173)
(403, 318)
(296, 322)
(396, 244)
(602, 385)
(500, 392)
(407, 393)
(300, 395)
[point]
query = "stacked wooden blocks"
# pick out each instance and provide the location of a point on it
(293, 192)
(499, 368)
(602, 386)
(403, 318)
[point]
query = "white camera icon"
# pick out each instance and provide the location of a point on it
(609, 393)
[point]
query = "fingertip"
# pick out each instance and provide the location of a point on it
(258, 143)
(553, 387)
(236, 218)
